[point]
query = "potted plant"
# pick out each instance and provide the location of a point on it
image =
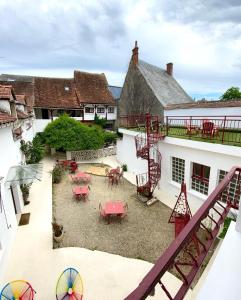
(25, 192)
(124, 167)
(58, 231)
(57, 174)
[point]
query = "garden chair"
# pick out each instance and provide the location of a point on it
(208, 129)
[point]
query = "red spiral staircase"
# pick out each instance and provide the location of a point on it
(147, 148)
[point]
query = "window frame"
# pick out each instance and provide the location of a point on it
(111, 110)
(89, 108)
(100, 110)
(177, 172)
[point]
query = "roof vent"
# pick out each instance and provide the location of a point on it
(66, 88)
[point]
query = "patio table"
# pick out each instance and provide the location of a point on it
(81, 176)
(81, 191)
(114, 208)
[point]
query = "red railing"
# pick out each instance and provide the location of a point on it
(132, 121)
(220, 129)
(213, 210)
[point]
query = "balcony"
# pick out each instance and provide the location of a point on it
(212, 129)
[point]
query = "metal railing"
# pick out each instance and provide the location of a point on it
(216, 129)
(219, 129)
(207, 220)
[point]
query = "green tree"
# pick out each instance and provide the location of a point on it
(66, 133)
(231, 93)
(33, 151)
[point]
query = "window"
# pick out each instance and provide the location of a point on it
(111, 110)
(89, 110)
(66, 88)
(100, 110)
(200, 178)
(178, 169)
(232, 188)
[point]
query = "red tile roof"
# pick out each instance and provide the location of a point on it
(92, 88)
(6, 118)
(55, 93)
(21, 114)
(205, 104)
(23, 88)
(5, 92)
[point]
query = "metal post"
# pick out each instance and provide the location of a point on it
(224, 124)
(167, 125)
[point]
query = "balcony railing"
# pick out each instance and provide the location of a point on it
(214, 129)
(185, 259)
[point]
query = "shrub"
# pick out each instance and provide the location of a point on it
(57, 229)
(66, 133)
(110, 137)
(25, 192)
(124, 167)
(57, 173)
(100, 121)
(33, 151)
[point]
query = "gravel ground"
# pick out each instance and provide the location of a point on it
(144, 233)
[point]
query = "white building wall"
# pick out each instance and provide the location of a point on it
(40, 124)
(214, 155)
(222, 111)
(9, 156)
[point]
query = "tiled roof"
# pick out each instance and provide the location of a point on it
(6, 118)
(21, 114)
(5, 92)
(205, 104)
(92, 88)
(22, 88)
(164, 86)
(21, 99)
(55, 93)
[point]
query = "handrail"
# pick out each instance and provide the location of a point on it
(153, 277)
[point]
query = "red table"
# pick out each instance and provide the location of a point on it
(82, 177)
(81, 191)
(116, 208)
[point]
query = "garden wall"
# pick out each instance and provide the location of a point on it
(91, 154)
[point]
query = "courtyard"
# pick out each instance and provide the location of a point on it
(144, 233)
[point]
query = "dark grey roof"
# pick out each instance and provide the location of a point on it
(11, 77)
(164, 86)
(115, 91)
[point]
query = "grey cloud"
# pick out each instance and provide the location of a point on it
(61, 35)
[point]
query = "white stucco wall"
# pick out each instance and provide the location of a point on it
(40, 124)
(214, 155)
(222, 111)
(9, 156)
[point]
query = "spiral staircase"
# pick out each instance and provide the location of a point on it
(147, 148)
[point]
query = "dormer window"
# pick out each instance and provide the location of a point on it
(66, 88)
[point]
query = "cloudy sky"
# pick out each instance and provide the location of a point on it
(53, 37)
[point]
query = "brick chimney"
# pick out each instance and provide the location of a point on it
(135, 54)
(170, 69)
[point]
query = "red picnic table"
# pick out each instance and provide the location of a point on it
(114, 208)
(81, 192)
(81, 176)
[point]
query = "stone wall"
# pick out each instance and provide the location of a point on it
(91, 154)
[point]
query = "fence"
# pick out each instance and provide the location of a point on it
(91, 154)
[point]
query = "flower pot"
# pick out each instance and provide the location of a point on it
(59, 239)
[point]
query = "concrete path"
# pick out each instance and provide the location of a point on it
(105, 276)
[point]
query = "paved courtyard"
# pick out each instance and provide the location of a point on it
(144, 233)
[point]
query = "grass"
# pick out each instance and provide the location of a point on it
(227, 222)
(230, 137)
